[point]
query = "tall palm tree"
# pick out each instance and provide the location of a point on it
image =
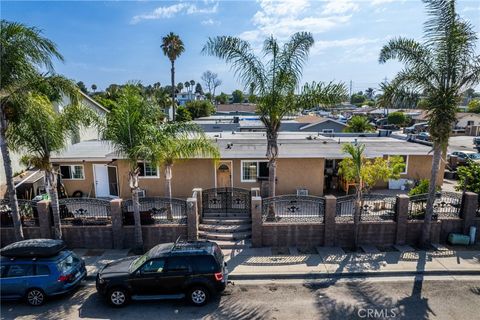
(369, 93)
(176, 141)
(192, 87)
(172, 47)
(187, 86)
(23, 52)
(128, 128)
(43, 131)
(94, 87)
(275, 82)
(441, 67)
(180, 86)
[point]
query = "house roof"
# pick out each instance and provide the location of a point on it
(237, 107)
(93, 101)
(253, 145)
(322, 121)
(309, 119)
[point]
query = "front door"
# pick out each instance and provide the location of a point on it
(224, 175)
(105, 180)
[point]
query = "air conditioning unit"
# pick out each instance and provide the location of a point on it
(141, 193)
(302, 192)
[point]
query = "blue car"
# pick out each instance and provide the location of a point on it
(35, 279)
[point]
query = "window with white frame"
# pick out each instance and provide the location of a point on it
(147, 170)
(72, 172)
(405, 161)
(253, 169)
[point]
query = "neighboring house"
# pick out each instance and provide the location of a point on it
(467, 119)
(85, 134)
(184, 97)
(236, 109)
(305, 162)
(253, 124)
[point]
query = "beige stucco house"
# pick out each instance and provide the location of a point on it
(306, 162)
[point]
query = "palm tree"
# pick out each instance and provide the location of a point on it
(358, 124)
(172, 47)
(44, 131)
(180, 86)
(128, 129)
(187, 86)
(441, 67)
(23, 52)
(176, 141)
(275, 82)
(369, 93)
(192, 86)
(94, 87)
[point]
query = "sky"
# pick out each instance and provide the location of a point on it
(106, 42)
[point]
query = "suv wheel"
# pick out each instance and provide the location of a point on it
(198, 296)
(118, 297)
(35, 297)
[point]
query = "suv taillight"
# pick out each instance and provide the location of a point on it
(65, 278)
(219, 276)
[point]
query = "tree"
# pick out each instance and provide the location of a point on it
(200, 108)
(396, 97)
(366, 173)
(211, 81)
(237, 96)
(106, 102)
(180, 87)
(42, 132)
(441, 68)
(198, 89)
(469, 177)
(187, 86)
(175, 141)
(275, 82)
(94, 87)
(474, 106)
(358, 99)
(172, 47)
(397, 118)
(128, 128)
(222, 98)
(369, 93)
(23, 53)
(183, 115)
(359, 124)
(82, 87)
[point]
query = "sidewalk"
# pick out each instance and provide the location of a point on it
(261, 263)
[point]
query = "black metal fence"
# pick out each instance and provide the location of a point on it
(292, 208)
(226, 200)
(345, 208)
(84, 211)
(156, 210)
(28, 213)
(446, 205)
(374, 207)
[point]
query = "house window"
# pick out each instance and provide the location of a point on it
(251, 170)
(72, 172)
(147, 170)
(405, 161)
(327, 131)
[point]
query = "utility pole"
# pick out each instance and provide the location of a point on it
(351, 85)
(385, 81)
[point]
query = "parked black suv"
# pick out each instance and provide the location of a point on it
(194, 270)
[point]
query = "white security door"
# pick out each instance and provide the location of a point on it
(100, 172)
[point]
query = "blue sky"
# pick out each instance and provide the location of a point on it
(107, 42)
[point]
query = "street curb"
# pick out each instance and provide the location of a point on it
(313, 276)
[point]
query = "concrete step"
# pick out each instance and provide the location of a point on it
(224, 236)
(224, 228)
(226, 215)
(227, 221)
(230, 245)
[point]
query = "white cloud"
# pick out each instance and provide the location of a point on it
(171, 11)
(380, 2)
(282, 18)
(470, 8)
(210, 22)
(339, 7)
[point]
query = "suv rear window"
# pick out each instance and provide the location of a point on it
(42, 270)
(70, 261)
(204, 264)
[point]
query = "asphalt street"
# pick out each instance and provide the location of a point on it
(365, 299)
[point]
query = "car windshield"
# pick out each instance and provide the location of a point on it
(138, 262)
(474, 156)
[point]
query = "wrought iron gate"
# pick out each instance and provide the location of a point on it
(226, 200)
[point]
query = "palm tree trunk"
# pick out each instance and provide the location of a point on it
(427, 224)
(356, 217)
(173, 89)
(272, 153)
(12, 195)
(136, 217)
(51, 186)
(168, 189)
